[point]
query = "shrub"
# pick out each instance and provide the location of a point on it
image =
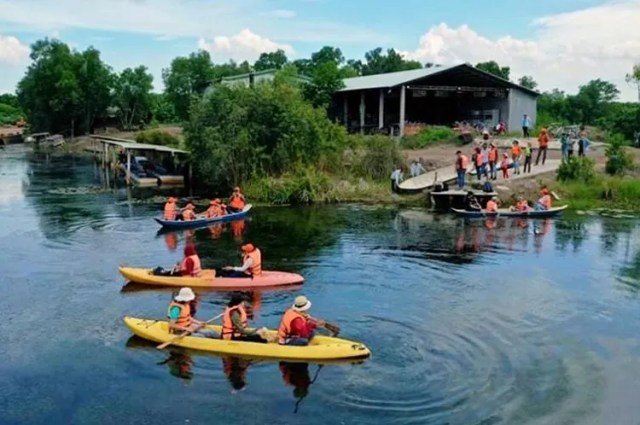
(376, 156)
(577, 169)
(619, 160)
(158, 137)
(304, 187)
(429, 136)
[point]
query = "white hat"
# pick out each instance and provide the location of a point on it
(301, 303)
(185, 295)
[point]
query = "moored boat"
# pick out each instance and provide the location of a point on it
(320, 347)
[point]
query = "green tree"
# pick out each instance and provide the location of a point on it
(634, 78)
(271, 60)
(327, 54)
(619, 161)
(95, 79)
(9, 99)
(325, 81)
(242, 132)
(591, 102)
(492, 67)
(132, 96)
(392, 61)
(527, 81)
(63, 89)
(187, 77)
(162, 110)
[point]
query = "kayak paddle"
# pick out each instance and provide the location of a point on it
(185, 333)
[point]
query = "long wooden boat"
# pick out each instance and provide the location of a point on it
(202, 222)
(507, 213)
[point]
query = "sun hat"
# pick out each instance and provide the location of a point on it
(185, 295)
(301, 303)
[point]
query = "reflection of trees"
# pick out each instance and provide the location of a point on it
(572, 231)
(59, 213)
(612, 229)
(629, 273)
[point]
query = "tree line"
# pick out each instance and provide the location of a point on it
(65, 90)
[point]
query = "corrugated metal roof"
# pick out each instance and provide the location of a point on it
(391, 79)
(130, 144)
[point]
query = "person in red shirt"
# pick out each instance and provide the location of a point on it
(297, 327)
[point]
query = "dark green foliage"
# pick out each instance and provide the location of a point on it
(378, 62)
(271, 60)
(158, 137)
(132, 97)
(528, 82)
(619, 161)
(236, 133)
(622, 118)
(64, 90)
(187, 77)
(492, 67)
(581, 169)
(9, 114)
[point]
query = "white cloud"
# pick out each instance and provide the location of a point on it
(567, 49)
(12, 51)
(244, 45)
(284, 13)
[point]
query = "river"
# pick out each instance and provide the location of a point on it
(469, 323)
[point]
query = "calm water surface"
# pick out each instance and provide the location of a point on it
(477, 323)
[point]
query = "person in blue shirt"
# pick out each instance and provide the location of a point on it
(526, 125)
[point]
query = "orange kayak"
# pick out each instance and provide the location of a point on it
(208, 279)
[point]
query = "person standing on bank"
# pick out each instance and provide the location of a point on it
(526, 125)
(528, 156)
(493, 161)
(543, 144)
(396, 178)
(462, 162)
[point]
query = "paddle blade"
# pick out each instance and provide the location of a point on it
(335, 329)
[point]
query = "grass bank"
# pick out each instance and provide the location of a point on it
(310, 187)
(603, 192)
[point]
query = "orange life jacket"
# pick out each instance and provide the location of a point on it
(228, 331)
(492, 207)
(515, 150)
(284, 330)
(493, 154)
(545, 201)
(169, 211)
(256, 256)
(188, 215)
(184, 319)
(464, 162)
(214, 211)
(543, 139)
(237, 201)
(479, 158)
(197, 269)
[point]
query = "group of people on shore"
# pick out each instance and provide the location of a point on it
(397, 175)
(216, 208)
(487, 159)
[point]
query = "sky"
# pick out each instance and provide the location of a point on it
(562, 44)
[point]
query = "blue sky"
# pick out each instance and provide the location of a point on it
(562, 44)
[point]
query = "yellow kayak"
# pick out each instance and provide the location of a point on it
(320, 348)
(208, 279)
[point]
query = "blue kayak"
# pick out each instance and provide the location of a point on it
(506, 213)
(202, 222)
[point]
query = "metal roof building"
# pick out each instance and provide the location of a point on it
(437, 95)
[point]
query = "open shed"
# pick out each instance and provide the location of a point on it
(165, 165)
(437, 96)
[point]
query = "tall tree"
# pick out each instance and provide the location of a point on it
(95, 79)
(271, 60)
(492, 67)
(591, 101)
(327, 54)
(187, 77)
(132, 96)
(634, 78)
(381, 63)
(527, 81)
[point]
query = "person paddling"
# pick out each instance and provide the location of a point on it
(181, 317)
(189, 266)
(189, 213)
(251, 264)
(544, 203)
(235, 323)
(170, 209)
(296, 326)
(236, 201)
(215, 209)
(521, 206)
(492, 205)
